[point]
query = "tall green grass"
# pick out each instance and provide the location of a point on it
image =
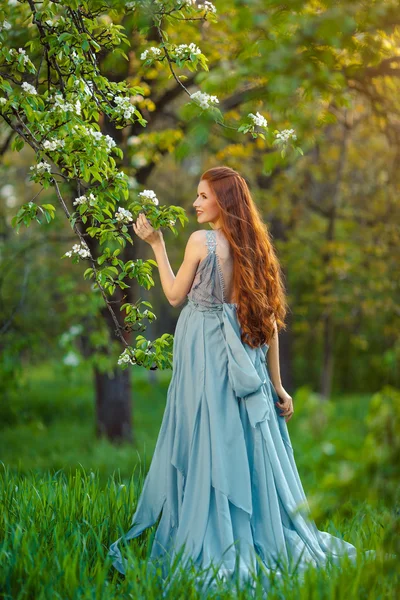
(56, 530)
(65, 496)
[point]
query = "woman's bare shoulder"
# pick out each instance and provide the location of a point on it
(196, 243)
(197, 238)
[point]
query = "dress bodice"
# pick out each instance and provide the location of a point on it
(208, 287)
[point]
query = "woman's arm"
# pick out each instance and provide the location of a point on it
(285, 403)
(273, 359)
(174, 287)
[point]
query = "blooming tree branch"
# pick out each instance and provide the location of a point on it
(53, 95)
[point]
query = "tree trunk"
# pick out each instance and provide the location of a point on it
(114, 391)
(113, 405)
(328, 319)
(327, 357)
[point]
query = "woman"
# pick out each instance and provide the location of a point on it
(223, 475)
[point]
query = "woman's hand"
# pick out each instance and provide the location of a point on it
(285, 403)
(145, 231)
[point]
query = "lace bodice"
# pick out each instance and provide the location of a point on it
(208, 287)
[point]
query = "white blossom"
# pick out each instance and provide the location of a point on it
(67, 336)
(7, 190)
(204, 100)
(125, 358)
(125, 106)
(138, 161)
(123, 216)
(82, 250)
(110, 143)
(208, 6)
(24, 54)
(184, 50)
(149, 195)
(154, 51)
(54, 144)
(41, 167)
(328, 448)
(71, 359)
(5, 25)
(28, 88)
(285, 135)
(80, 200)
(75, 329)
(61, 104)
(91, 199)
(87, 86)
(259, 119)
(3, 101)
(97, 135)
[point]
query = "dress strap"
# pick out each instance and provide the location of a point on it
(211, 241)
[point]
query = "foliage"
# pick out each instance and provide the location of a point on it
(381, 449)
(355, 457)
(55, 97)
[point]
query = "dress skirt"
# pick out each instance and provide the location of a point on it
(223, 476)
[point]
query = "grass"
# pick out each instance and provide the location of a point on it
(58, 528)
(50, 426)
(65, 496)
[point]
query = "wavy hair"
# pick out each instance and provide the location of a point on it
(257, 275)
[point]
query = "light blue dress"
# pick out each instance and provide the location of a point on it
(223, 475)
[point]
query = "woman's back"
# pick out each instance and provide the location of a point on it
(213, 281)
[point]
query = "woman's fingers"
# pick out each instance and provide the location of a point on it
(287, 416)
(143, 220)
(286, 409)
(140, 225)
(284, 405)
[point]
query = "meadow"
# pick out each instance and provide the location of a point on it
(65, 496)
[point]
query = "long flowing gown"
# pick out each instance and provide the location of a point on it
(223, 474)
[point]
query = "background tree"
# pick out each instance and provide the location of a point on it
(54, 99)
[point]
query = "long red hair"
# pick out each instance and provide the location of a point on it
(257, 275)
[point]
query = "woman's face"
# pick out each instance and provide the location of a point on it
(206, 205)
